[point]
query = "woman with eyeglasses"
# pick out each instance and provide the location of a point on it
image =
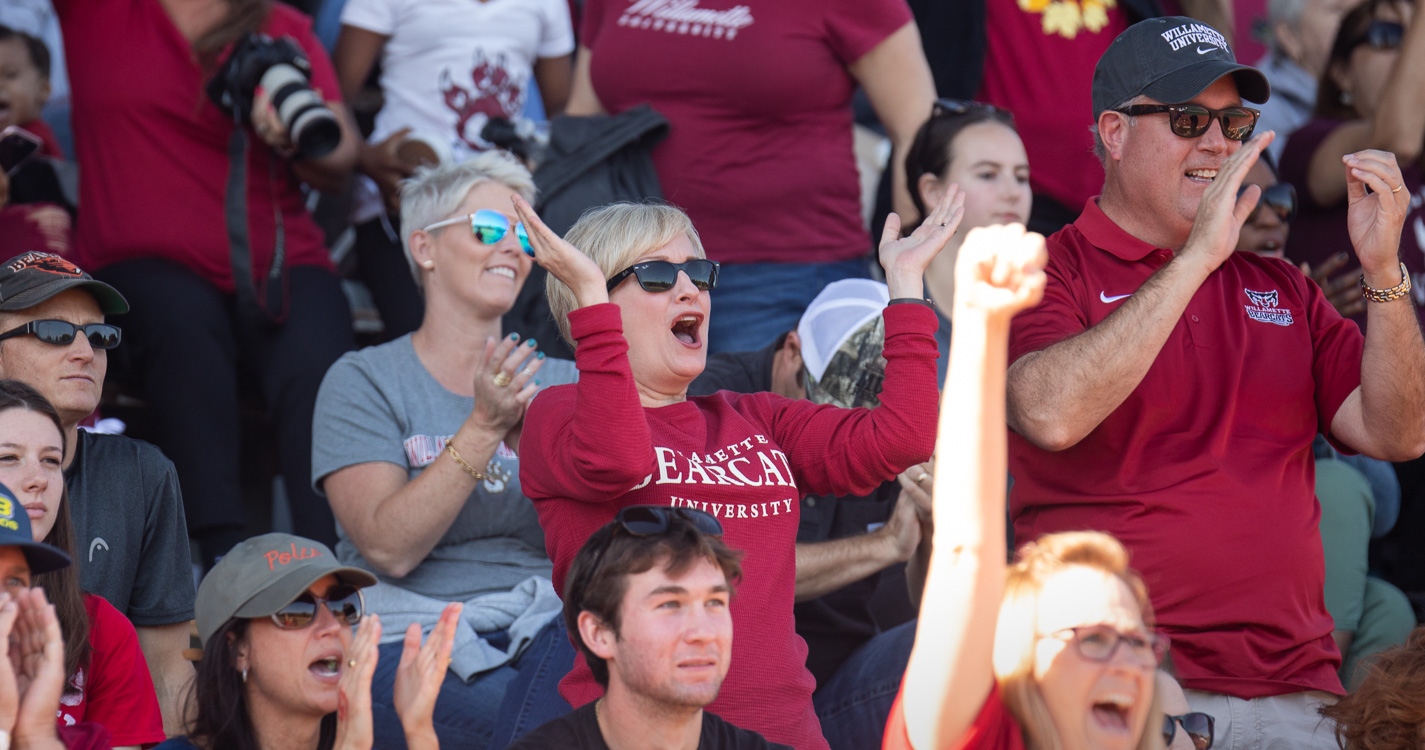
(1371, 97)
(415, 444)
(107, 678)
(629, 288)
(281, 668)
(1056, 650)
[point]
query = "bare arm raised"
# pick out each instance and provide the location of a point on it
(1057, 396)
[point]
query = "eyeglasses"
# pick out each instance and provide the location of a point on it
(1198, 726)
(61, 333)
(1280, 198)
(1192, 120)
(1379, 35)
(963, 106)
(344, 602)
(1100, 642)
(489, 227)
(661, 275)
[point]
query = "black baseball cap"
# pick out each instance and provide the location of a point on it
(15, 531)
(1170, 59)
(29, 279)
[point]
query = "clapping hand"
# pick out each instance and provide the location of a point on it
(354, 729)
(420, 676)
(499, 409)
(1222, 212)
(565, 262)
(906, 258)
(1344, 291)
(1375, 218)
(1000, 271)
(37, 661)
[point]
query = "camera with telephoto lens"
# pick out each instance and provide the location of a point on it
(282, 70)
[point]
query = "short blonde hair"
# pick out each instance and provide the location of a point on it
(1017, 632)
(434, 193)
(615, 236)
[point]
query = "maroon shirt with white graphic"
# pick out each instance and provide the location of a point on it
(1205, 471)
(590, 449)
(758, 95)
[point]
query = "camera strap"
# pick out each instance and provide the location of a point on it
(271, 305)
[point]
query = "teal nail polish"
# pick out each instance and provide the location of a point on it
(539, 356)
(536, 383)
(529, 342)
(514, 337)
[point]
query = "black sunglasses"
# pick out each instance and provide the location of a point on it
(1192, 120)
(1379, 35)
(61, 333)
(344, 602)
(651, 520)
(661, 275)
(1198, 726)
(1280, 198)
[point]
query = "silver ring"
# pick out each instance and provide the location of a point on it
(923, 476)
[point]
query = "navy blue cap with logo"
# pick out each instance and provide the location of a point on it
(15, 532)
(1170, 59)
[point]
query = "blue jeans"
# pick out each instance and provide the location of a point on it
(854, 704)
(493, 709)
(754, 303)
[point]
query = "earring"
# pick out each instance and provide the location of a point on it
(427, 264)
(244, 675)
(1346, 98)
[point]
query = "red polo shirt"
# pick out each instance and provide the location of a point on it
(1205, 471)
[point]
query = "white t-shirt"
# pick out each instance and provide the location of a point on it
(450, 65)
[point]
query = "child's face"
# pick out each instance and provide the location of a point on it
(23, 89)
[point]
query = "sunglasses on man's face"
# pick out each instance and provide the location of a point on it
(1198, 726)
(1380, 35)
(661, 275)
(62, 333)
(343, 601)
(1279, 198)
(1192, 120)
(489, 227)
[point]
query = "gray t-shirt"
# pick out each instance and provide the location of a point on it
(381, 404)
(130, 536)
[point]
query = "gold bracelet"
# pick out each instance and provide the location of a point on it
(480, 476)
(1391, 294)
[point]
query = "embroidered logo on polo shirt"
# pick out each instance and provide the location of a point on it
(1264, 308)
(686, 18)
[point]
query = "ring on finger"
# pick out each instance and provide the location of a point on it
(924, 475)
(1398, 188)
(502, 379)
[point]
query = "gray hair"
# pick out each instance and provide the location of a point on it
(1285, 12)
(434, 193)
(1100, 151)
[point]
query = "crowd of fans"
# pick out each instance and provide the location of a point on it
(1162, 488)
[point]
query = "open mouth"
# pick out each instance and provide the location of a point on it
(1111, 711)
(505, 271)
(326, 668)
(686, 330)
(1203, 176)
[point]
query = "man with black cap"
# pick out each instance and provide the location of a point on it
(1168, 389)
(124, 499)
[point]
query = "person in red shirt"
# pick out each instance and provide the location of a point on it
(636, 305)
(1168, 388)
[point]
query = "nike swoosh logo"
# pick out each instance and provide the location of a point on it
(1103, 296)
(1202, 51)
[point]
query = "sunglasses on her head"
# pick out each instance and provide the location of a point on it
(1380, 35)
(489, 227)
(62, 332)
(661, 275)
(962, 106)
(1198, 726)
(1279, 198)
(344, 602)
(1192, 120)
(1101, 642)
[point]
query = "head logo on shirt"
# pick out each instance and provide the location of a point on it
(1264, 308)
(685, 18)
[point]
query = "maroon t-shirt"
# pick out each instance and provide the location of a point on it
(1039, 65)
(154, 147)
(758, 95)
(1205, 471)
(1319, 232)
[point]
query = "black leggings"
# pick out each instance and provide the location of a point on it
(189, 347)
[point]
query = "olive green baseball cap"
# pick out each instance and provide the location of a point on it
(264, 574)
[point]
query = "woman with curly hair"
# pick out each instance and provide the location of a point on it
(1387, 711)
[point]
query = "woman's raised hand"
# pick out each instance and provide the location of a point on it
(565, 262)
(353, 709)
(420, 675)
(1000, 270)
(9, 690)
(37, 656)
(504, 385)
(906, 258)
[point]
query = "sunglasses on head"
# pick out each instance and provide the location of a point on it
(62, 332)
(344, 602)
(960, 107)
(489, 227)
(1380, 35)
(1192, 120)
(651, 520)
(1280, 198)
(1198, 726)
(661, 275)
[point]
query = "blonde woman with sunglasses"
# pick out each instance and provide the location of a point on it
(415, 445)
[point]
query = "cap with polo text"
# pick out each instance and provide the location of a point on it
(1169, 59)
(29, 279)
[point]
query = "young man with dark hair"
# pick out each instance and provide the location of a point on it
(648, 600)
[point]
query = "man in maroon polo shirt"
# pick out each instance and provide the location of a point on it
(1167, 390)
